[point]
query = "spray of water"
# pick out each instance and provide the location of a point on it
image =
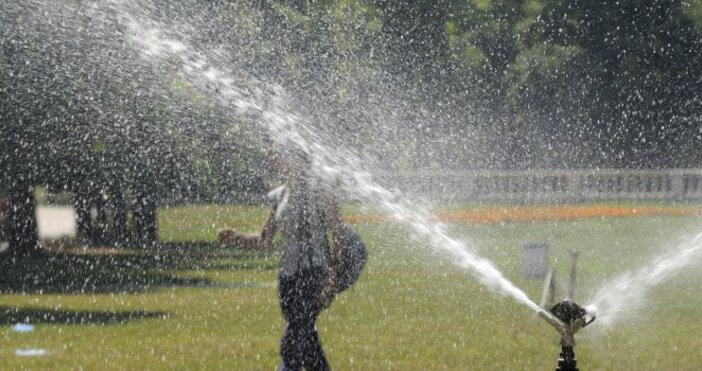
(339, 166)
(624, 295)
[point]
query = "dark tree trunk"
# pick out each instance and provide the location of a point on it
(4, 210)
(119, 216)
(145, 225)
(24, 239)
(101, 228)
(83, 222)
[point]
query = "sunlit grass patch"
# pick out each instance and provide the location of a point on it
(203, 306)
(200, 223)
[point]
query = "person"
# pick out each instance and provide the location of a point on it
(301, 213)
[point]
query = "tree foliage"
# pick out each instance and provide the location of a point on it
(482, 83)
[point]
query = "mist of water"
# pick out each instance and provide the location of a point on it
(625, 295)
(339, 166)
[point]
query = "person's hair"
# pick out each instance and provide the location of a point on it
(294, 160)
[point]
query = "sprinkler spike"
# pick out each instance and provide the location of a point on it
(567, 361)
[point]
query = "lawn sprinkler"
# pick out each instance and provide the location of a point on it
(568, 317)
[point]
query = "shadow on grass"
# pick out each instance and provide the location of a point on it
(11, 315)
(87, 271)
(244, 265)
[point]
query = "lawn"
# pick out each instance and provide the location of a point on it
(198, 306)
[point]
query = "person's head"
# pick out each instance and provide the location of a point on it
(289, 162)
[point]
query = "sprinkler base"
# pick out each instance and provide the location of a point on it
(567, 318)
(567, 360)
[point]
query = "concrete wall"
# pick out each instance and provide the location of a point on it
(553, 185)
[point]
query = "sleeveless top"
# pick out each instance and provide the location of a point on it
(302, 223)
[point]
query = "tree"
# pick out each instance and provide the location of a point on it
(83, 111)
(615, 77)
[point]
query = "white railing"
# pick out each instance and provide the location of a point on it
(553, 185)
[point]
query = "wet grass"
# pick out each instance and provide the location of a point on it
(198, 306)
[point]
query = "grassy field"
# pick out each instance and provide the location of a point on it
(196, 306)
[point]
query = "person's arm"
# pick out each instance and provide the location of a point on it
(269, 229)
(263, 240)
(336, 226)
(333, 220)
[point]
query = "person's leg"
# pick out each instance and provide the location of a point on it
(314, 354)
(314, 358)
(290, 349)
(300, 345)
(290, 343)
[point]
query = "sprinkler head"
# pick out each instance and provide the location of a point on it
(570, 312)
(568, 318)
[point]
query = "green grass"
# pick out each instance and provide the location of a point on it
(208, 308)
(200, 223)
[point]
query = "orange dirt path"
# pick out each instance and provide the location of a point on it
(541, 213)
